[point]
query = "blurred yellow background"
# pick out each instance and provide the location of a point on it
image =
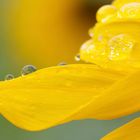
(44, 33)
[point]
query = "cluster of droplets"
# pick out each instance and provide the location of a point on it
(113, 38)
(130, 10)
(110, 12)
(119, 47)
(28, 69)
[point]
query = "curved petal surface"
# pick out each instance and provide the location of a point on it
(130, 131)
(50, 96)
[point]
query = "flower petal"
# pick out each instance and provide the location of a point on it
(122, 98)
(114, 39)
(119, 3)
(130, 131)
(50, 96)
(114, 45)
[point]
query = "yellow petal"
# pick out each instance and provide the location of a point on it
(119, 3)
(121, 99)
(111, 49)
(114, 40)
(50, 96)
(130, 131)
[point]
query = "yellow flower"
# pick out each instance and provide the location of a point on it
(115, 38)
(108, 90)
(46, 31)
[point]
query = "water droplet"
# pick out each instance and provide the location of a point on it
(9, 77)
(77, 57)
(62, 63)
(105, 11)
(120, 47)
(130, 10)
(91, 52)
(28, 69)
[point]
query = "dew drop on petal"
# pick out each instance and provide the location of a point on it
(9, 77)
(62, 63)
(120, 47)
(130, 10)
(105, 11)
(28, 69)
(77, 57)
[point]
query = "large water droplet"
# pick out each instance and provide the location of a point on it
(105, 11)
(120, 47)
(28, 69)
(92, 51)
(77, 57)
(9, 77)
(130, 10)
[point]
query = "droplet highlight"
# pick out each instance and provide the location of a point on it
(130, 10)
(120, 47)
(28, 69)
(9, 77)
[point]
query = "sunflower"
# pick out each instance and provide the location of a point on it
(107, 89)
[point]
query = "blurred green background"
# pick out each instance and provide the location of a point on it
(77, 130)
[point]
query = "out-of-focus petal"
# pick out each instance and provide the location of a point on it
(130, 131)
(119, 3)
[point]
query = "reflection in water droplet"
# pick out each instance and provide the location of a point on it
(105, 11)
(130, 10)
(28, 69)
(120, 47)
(77, 57)
(92, 51)
(62, 63)
(9, 77)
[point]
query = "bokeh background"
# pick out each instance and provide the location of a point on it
(25, 40)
